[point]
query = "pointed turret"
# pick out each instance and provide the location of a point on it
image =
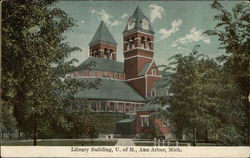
(103, 44)
(138, 21)
(103, 35)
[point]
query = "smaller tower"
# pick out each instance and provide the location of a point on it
(103, 44)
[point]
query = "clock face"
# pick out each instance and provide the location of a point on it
(145, 24)
(131, 24)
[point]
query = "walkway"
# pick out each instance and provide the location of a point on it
(125, 142)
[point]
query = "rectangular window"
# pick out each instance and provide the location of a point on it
(111, 107)
(145, 121)
(103, 106)
(93, 106)
(137, 106)
(115, 75)
(127, 107)
(132, 107)
(120, 107)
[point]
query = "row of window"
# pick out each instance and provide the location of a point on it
(144, 44)
(108, 54)
(113, 107)
(103, 74)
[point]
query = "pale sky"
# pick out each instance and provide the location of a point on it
(178, 25)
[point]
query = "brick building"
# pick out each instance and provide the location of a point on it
(126, 87)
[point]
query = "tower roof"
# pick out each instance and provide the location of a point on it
(138, 18)
(103, 35)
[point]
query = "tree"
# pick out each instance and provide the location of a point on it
(83, 122)
(192, 93)
(204, 98)
(7, 121)
(36, 74)
(233, 33)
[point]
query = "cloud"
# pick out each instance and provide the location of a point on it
(156, 12)
(124, 16)
(175, 27)
(194, 36)
(182, 48)
(107, 18)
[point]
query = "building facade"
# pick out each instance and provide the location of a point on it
(126, 87)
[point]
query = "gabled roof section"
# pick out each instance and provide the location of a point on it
(103, 35)
(110, 90)
(138, 17)
(144, 69)
(103, 65)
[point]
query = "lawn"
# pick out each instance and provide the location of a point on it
(60, 143)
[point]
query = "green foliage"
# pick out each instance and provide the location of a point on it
(233, 34)
(7, 120)
(83, 123)
(204, 98)
(36, 72)
(107, 123)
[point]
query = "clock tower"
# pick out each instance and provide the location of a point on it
(138, 50)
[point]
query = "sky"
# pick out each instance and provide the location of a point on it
(178, 25)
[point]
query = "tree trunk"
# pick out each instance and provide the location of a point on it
(206, 140)
(35, 132)
(19, 134)
(194, 136)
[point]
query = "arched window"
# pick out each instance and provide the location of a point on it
(111, 53)
(106, 53)
(97, 53)
(142, 42)
(148, 44)
(127, 44)
(91, 53)
(133, 43)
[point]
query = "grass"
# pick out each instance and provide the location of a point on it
(60, 143)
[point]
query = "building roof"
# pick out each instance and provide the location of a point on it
(144, 69)
(150, 107)
(138, 16)
(103, 35)
(126, 120)
(110, 90)
(103, 65)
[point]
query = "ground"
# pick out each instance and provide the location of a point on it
(125, 142)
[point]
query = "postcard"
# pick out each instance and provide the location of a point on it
(125, 78)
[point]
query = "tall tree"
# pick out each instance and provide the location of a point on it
(204, 98)
(233, 34)
(36, 73)
(189, 104)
